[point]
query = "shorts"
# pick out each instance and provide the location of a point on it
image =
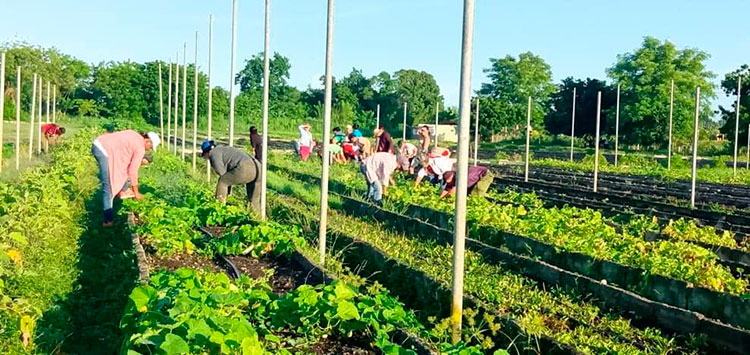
(304, 151)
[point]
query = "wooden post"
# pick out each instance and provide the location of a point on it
(737, 124)
(54, 103)
(169, 106)
(328, 96)
(184, 97)
(18, 117)
(617, 125)
(437, 116)
(32, 117)
(528, 141)
(176, 98)
(462, 172)
(377, 118)
(747, 160)
(695, 146)
(403, 135)
(2, 105)
(596, 142)
(476, 135)
(573, 125)
(39, 116)
(231, 74)
(210, 88)
(47, 119)
(266, 89)
(195, 104)
(161, 106)
(671, 113)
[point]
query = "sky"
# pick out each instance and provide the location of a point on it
(579, 38)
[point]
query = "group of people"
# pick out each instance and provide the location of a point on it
(379, 164)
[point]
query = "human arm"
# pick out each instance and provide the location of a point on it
(447, 192)
(133, 166)
(217, 163)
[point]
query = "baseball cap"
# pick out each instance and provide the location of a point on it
(155, 140)
(207, 145)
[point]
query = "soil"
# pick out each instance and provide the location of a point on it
(215, 231)
(354, 345)
(174, 262)
(287, 274)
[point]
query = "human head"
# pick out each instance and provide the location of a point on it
(62, 130)
(400, 143)
(206, 148)
(378, 131)
(336, 130)
(253, 130)
(306, 126)
(355, 126)
(349, 129)
(151, 140)
(448, 177)
(424, 130)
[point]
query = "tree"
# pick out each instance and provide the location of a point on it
(645, 77)
(558, 120)
(420, 92)
(512, 81)
(729, 86)
(251, 76)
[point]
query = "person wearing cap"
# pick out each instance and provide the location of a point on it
(119, 156)
(52, 132)
(338, 135)
(377, 170)
(256, 141)
(385, 142)
(353, 129)
(234, 167)
(305, 141)
(478, 180)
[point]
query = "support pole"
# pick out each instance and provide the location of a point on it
(437, 116)
(231, 73)
(476, 134)
(2, 106)
(161, 106)
(747, 160)
(737, 125)
(47, 118)
(54, 103)
(169, 106)
(266, 89)
(573, 125)
(210, 88)
(176, 97)
(403, 134)
(528, 142)
(184, 97)
(596, 142)
(695, 146)
(195, 104)
(377, 118)
(32, 117)
(326, 135)
(462, 171)
(617, 126)
(18, 117)
(671, 113)
(39, 116)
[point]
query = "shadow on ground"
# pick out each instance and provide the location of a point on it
(86, 321)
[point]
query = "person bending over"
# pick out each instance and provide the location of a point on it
(377, 170)
(234, 167)
(479, 180)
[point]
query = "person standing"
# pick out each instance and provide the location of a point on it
(256, 141)
(119, 156)
(479, 180)
(305, 141)
(377, 170)
(234, 167)
(385, 142)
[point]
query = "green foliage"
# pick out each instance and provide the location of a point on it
(729, 114)
(257, 240)
(645, 76)
(558, 120)
(512, 82)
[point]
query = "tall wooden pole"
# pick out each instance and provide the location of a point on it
(2, 105)
(377, 117)
(528, 142)
(54, 103)
(326, 134)
(462, 171)
(403, 134)
(437, 116)
(47, 118)
(476, 134)
(39, 116)
(176, 98)
(195, 104)
(266, 89)
(161, 106)
(671, 113)
(32, 117)
(695, 146)
(184, 97)
(18, 117)
(573, 125)
(210, 87)
(617, 126)
(596, 142)
(169, 106)
(231, 74)
(747, 160)
(737, 124)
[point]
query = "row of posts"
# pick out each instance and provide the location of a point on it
(36, 120)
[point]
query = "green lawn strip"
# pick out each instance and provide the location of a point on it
(579, 230)
(541, 312)
(169, 213)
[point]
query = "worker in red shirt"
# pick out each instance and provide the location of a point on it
(52, 132)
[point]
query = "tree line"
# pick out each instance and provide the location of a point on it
(130, 90)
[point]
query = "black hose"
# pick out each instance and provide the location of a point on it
(222, 260)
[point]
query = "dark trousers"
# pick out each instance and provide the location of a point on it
(248, 173)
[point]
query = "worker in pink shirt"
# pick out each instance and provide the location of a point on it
(119, 156)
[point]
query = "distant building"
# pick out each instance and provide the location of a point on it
(447, 131)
